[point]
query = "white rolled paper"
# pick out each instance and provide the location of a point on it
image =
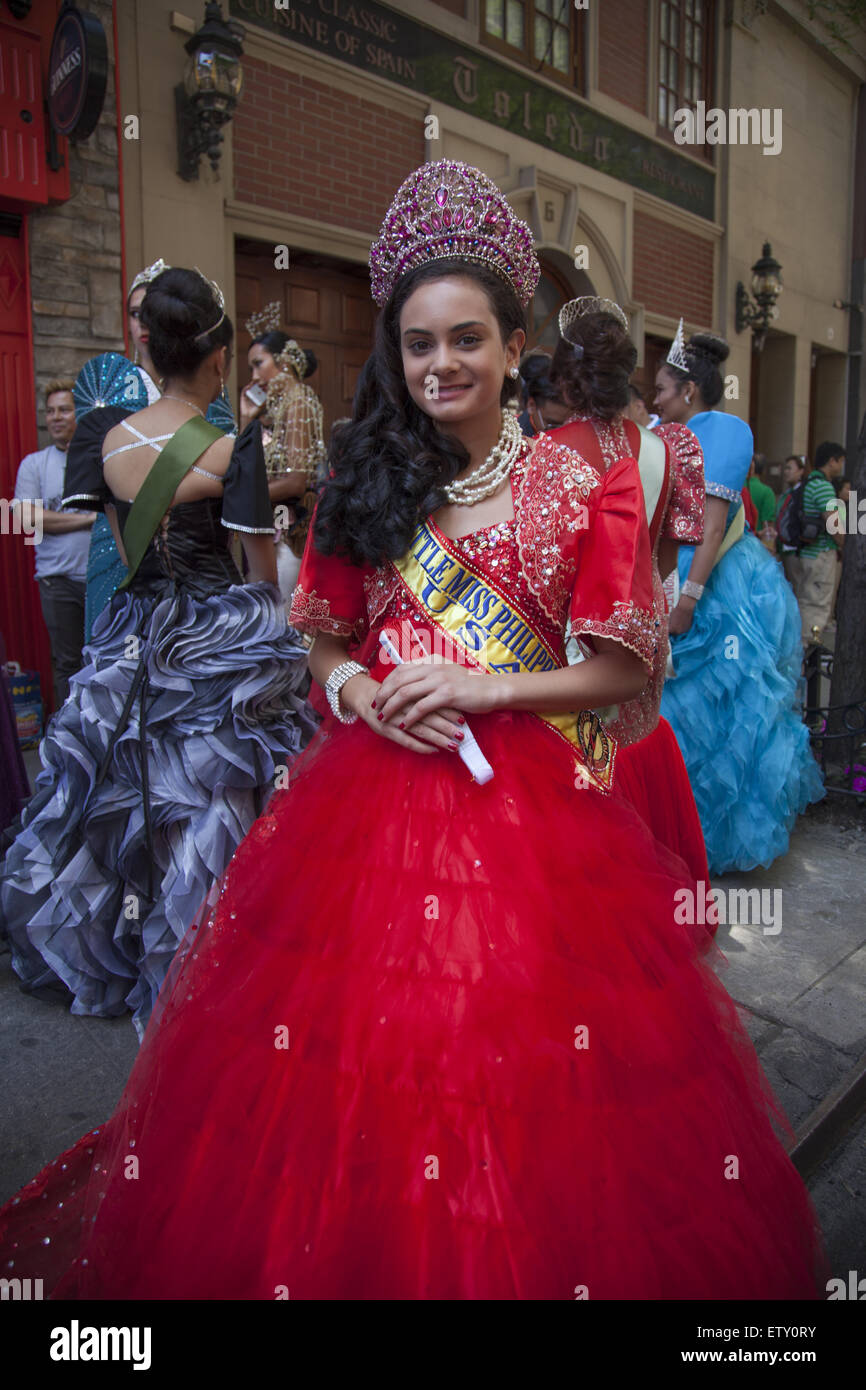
(469, 751)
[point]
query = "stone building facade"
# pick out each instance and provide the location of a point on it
(76, 251)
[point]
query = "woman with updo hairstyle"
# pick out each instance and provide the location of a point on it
(439, 1035)
(592, 367)
(735, 640)
(111, 379)
(191, 696)
(292, 431)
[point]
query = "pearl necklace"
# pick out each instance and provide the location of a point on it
(489, 476)
(167, 397)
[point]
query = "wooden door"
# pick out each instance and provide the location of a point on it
(655, 350)
(326, 306)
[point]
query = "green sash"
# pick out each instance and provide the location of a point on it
(489, 631)
(154, 496)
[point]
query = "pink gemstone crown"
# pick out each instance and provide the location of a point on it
(450, 209)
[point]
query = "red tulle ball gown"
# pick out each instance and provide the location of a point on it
(439, 1040)
(651, 773)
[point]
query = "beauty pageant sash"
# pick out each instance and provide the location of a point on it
(489, 631)
(654, 470)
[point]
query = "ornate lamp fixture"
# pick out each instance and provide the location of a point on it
(757, 312)
(208, 95)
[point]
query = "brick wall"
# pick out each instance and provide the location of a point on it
(340, 158)
(673, 270)
(78, 298)
(623, 36)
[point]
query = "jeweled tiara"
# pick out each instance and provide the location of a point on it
(149, 273)
(449, 209)
(264, 320)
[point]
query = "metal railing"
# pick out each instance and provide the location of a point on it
(837, 732)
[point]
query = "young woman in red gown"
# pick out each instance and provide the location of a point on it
(593, 362)
(438, 1037)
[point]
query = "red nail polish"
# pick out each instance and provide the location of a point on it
(380, 716)
(402, 726)
(458, 735)
(372, 704)
(460, 719)
(453, 747)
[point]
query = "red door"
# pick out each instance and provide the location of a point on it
(20, 612)
(23, 171)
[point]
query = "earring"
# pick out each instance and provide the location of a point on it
(688, 400)
(135, 358)
(514, 372)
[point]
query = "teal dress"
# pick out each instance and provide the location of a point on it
(733, 702)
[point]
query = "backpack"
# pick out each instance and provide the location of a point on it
(795, 526)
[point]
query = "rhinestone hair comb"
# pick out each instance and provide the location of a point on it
(588, 304)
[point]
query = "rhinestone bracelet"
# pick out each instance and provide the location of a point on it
(334, 684)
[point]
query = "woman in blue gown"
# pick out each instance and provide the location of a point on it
(190, 705)
(112, 380)
(735, 642)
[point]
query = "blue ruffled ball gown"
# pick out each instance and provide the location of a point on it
(733, 702)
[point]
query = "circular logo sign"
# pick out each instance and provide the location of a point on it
(77, 73)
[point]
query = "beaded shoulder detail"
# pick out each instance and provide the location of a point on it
(380, 587)
(552, 489)
(311, 614)
(684, 519)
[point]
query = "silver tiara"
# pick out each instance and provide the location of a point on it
(217, 292)
(149, 273)
(220, 299)
(588, 304)
(677, 355)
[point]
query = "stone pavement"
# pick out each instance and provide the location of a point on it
(804, 987)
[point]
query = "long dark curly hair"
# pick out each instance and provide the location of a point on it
(389, 463)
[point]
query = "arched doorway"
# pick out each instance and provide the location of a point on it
(554, 289)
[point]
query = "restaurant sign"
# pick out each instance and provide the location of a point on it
(77, 73)
(380, 41)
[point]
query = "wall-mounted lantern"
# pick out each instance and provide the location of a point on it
(206, 99)
(758, 310)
